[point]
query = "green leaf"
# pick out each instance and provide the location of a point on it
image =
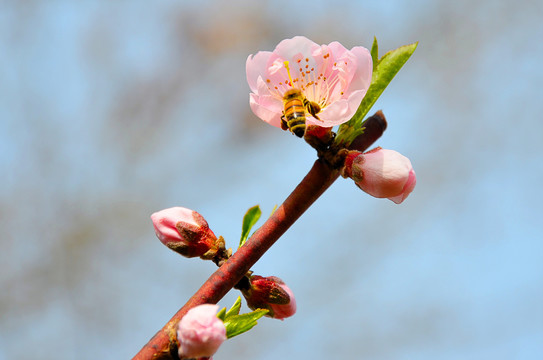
(385, 70)
(234, 310)
(238, 324)
(222, 314)
(249, 220)
(375, 53)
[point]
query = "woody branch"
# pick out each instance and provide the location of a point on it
(164, 344)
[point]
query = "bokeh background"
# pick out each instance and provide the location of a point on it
(110, 111)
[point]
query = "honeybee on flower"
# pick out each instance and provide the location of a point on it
(331, 81)
(295, 107)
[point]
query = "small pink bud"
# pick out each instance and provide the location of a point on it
(200, 332)
(270, 293)
(381, 173)
(186, 232)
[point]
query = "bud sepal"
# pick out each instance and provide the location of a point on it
(270, 293)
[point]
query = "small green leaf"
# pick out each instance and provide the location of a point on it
(238, 324)
(375, 53)
(249, 220)
(234, 310)
(221, 314)
(387, 67)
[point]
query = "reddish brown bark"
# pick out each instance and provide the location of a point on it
(164, 344)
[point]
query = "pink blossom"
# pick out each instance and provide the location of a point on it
(381, 173)
(330, 75)
(200, 333)
(186, 232)
(270, 293)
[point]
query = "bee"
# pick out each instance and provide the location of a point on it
(295, 107)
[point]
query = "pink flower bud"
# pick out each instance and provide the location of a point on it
(270, 293)
(381, 173)
(200, 332)
(186, 232)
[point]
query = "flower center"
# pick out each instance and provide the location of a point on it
(317, 85)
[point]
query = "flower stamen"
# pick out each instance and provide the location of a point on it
(288, 72)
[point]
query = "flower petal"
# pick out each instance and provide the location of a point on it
(267, 108)
(254, 66)
(339, 111)
(364, 70)
(289, 48)
(407, 189)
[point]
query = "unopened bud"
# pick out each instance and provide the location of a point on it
(381, 173)
(185, 231)
(200, 332)
(270, 293)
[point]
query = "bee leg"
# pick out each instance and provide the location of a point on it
(315, 116)
(313, 108)
(284, 124)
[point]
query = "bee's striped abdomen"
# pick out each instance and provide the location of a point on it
(294, 112)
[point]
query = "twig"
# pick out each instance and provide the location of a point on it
(164, 344)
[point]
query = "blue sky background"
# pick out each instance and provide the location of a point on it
(109, 112)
